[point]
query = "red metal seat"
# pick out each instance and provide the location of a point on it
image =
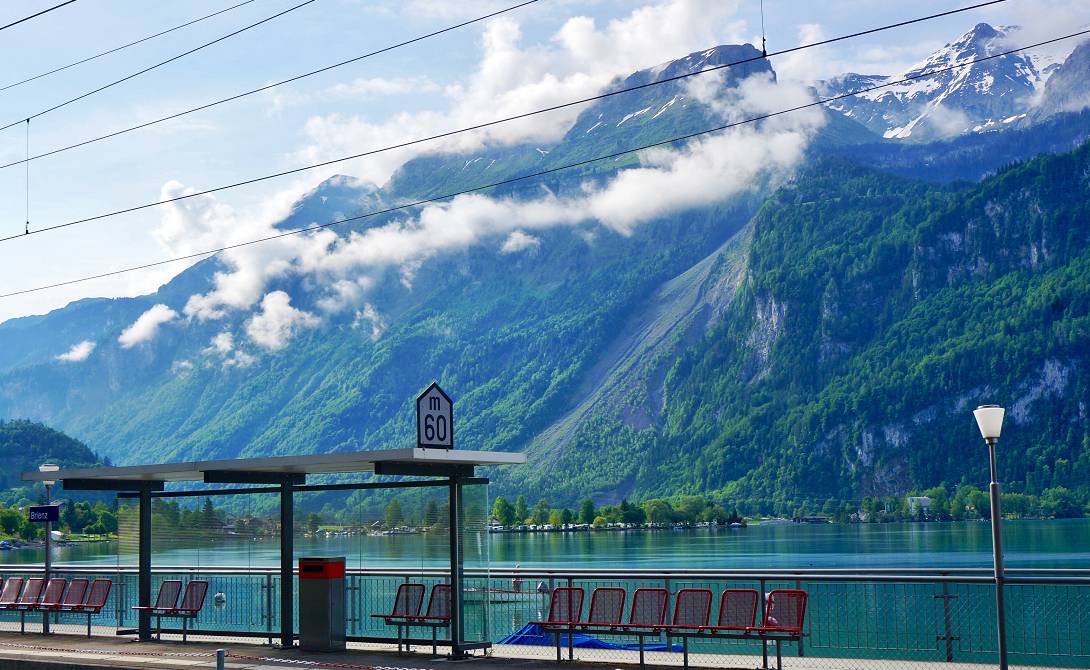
(407, 603)
(606, 606)
(75, 595)
(438, 604)
(53, 594)
(437, 615)
(28, 599)
(648, 609)
(9, 596)
(165, 600)
(190, 607)
(692, 609)
(95, 601)
(565, 608)
(785, 612)
(737, 609)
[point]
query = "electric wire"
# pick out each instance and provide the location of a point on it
(161, 63)
(33, 16)
(124, 46)
(540, 173)
(540, 111)
(479, 126)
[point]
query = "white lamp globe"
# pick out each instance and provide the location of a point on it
(989, 418)
(48, 467)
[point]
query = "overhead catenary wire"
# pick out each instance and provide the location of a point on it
(541, 111)
(160, 63)
(34, 16)
(124, 46)
(540, 173)
(458, 131)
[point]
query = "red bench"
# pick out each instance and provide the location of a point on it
(28, 599)
(437, 615)
(166, 604)
(565, 608)
(646, 619)
(785, 613)
(81, 599)
(407, 603)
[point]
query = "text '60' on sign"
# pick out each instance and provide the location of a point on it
(434, 419)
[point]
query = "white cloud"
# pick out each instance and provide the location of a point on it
(580, 60)
(181, 366)
(221, 344)
(370, 315)
(375, 86)
(356, 89)
(78, 352)
(277, 322)
(706, 171)
(147, 326)
(519, 241)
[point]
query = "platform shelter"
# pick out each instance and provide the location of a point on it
(287, 475)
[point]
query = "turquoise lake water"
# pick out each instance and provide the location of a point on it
(1029, 544)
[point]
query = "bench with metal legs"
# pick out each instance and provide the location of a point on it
(167, 599)
(28, 599)
(565, 608)
(646, 619)
(784, 616)
(407, 603)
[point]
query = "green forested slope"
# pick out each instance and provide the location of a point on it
(876, 313)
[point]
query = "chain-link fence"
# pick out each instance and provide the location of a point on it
(878, 619)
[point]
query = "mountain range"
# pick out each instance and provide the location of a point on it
(817, 333)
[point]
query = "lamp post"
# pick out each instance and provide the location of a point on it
(989, 418)
(48, 467)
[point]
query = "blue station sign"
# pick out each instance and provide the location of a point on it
(43, 513)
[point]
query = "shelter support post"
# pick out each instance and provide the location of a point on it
(144, 559)
(457, 622)
(287, 551)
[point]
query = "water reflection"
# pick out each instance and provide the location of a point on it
(1039, 544)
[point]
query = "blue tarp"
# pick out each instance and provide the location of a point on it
(532, 634)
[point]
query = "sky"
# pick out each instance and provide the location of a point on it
(546, 53)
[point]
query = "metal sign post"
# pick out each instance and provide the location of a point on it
(434, 419)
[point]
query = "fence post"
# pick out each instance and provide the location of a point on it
(219, 659)
(802, 650)
(947, 623)
(268, 605)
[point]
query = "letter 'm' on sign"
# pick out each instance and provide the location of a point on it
(434, 419)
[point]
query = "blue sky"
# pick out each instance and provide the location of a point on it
(534, 56)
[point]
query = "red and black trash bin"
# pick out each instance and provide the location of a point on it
(321, 604)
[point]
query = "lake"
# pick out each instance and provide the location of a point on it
(1028, 544)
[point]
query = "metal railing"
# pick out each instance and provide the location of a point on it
(900, 617)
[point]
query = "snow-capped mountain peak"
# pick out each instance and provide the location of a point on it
(953, 101)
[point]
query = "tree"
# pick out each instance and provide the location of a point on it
(556, 518)
(393, 515)
(431, 513)
(521, 513)
(503, 512)
(658, 511)
(586, 511)
(11, 520)
(209, 519)
(1059, 502)
(314, 521)
(567, 516)
(540, 515)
